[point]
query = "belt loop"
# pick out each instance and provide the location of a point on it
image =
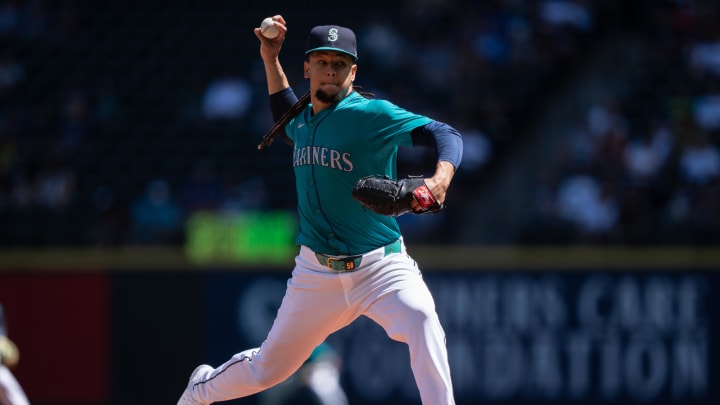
(394, 247)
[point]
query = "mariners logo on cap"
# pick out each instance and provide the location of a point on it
(332, 38)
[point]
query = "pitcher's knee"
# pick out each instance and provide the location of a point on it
(270, 378)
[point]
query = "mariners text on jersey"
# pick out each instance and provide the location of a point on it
(322, 156)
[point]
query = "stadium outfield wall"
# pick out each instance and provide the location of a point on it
(576, 325)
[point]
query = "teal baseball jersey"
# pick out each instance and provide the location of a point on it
(356, 137)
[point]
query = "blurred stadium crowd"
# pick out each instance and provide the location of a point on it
(118, 120)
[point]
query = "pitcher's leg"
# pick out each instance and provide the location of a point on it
(309, 312)
(406, 311)
(246, 373)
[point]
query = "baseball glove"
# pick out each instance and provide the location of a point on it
(386, 196)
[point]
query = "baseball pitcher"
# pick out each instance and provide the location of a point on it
(352, 260)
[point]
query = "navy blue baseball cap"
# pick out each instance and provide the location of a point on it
(332, 38)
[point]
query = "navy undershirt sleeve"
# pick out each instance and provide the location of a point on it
(282, 101)
(444, 139)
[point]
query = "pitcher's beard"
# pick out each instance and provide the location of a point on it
(331, 98)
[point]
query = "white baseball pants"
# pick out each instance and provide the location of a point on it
(387, 288)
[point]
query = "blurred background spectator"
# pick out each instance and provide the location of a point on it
(156, 216)
(11, 392)
(586, 121)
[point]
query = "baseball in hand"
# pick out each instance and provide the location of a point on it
(268, 28)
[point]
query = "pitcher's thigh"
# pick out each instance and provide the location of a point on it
(405, 306)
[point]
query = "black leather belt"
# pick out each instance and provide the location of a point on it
(351, 263)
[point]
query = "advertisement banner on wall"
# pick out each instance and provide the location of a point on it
(517, 337)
